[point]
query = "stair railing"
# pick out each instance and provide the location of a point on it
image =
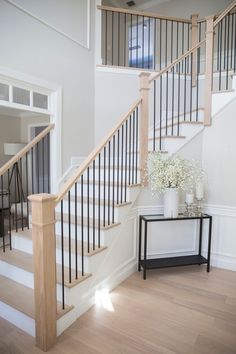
(21, 177)
(64, 233)
(144, 40)
(224, 47)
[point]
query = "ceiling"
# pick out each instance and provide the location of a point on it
(140, 4)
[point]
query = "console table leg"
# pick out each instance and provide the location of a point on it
(140, 244)
(209, 244)
(200, 239)
(145, 251)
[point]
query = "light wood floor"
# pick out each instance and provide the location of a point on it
(178, 310)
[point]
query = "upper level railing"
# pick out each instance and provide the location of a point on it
(224, 57)
(26, 173)
(144, 40)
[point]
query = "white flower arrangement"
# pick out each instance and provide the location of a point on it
(172, 172)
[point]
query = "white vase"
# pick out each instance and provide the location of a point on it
(171, 202)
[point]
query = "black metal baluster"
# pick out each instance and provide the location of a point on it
(191, 86)
(2, 215)
(160, 113)
(43, 163)
(106, 38)
(154, 116)
(88, 221)
(32, 169)
(69, 225)
(173, 100)
(225, 36)
(126, 157)
(93, 204)
(234, 42)
(104, 187)
(143, 44)
(179, 95)
(197, 83)
(171, 42)
(109, 183)
(130, 150)
(177, 40)
(149, 39)
(231, 42)
(82, 224)
(37, 158)
(131, 40)
(118, 168)
(76, 232)
(185, 86)
(136, 148)
(160, 40)
(137, 42)
(21, 193)
(118, 41)
(125, 40)
(218, 47)
(112, 38)
(227, 62)
(166, 38)
(113, 178)
(220, 59)
(62, 257)
(9, 207)
(133, 148)
(121, 166)
(154, 47)
(27, 187)
(167, 93)
(99, 199)
(15, 201)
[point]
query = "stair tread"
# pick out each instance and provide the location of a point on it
(72, 198)
(111, 183)
(24, 261)
(66, 219)
(21, 298)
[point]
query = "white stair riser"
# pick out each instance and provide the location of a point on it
(91, 212)
(116, 173)
(96, 191)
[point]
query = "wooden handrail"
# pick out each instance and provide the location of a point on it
(27, 148)
(143, 14)
(69, 184)
(163, 71)
(224, 13)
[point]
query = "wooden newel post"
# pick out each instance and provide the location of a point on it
(144, 124)
(44, 251)
(194, 32)
(209, 68)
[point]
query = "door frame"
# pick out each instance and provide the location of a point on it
(54, 93)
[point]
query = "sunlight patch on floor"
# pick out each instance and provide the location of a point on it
(102, 299)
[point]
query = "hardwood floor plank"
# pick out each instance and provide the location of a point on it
(174, 311)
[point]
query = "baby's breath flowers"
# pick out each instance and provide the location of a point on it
(172, 172)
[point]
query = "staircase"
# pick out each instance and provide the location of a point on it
(62, 250)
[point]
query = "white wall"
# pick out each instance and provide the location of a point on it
(115, 92)
(29, 46)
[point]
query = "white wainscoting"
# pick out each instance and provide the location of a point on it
(163, 242)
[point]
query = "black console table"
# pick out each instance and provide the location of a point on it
(146, 263)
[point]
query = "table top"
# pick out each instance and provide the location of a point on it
(160, 217)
